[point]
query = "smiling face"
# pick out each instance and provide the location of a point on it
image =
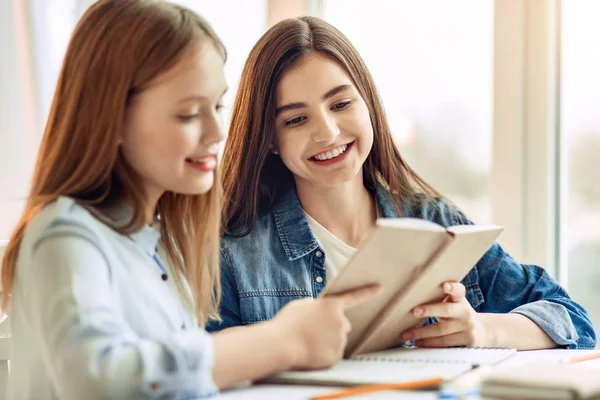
(323, 127)
(174, 127)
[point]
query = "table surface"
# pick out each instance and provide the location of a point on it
(298, 392)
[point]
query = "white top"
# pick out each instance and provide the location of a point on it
(94, 318)
(337, 253)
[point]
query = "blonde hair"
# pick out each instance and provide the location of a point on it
(117, 49)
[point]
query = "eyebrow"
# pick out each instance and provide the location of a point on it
(200, 98)
(329, 94)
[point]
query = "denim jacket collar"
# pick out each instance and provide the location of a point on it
(293, 229)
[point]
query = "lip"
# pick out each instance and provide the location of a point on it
(335, 160)
(330, 148)
(209, 164)
(207, 155)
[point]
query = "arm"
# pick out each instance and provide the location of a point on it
(306, 334)
(243, 346)
(528, 291)
(90, 349)
(94, 354)
(525, 294)
(516, 331)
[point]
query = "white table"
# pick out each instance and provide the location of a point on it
(292, 392)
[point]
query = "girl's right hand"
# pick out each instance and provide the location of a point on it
(316, 330)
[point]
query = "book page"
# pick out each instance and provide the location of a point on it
(450, 264)
(392, 257)
(410, 223)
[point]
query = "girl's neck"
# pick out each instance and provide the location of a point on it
(153, 195)
(348, 210)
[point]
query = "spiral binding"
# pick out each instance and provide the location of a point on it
(407, 358)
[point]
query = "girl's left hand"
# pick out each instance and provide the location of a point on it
(458, 323)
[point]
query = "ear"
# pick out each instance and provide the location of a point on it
(273, 149)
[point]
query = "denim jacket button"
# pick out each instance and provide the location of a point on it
(319, 254)
(319, 279)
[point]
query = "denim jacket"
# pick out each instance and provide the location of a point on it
(280, 260)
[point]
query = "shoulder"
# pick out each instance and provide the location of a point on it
(265, 240)
(264, 228)
(433, 209)
(63, 217)
(74, 232)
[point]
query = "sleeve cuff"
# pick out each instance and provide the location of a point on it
(189, 373)
(546, 314)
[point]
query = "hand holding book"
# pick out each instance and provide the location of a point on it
(458, 323)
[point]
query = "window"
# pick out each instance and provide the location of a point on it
(239, 24)
(54, 22)
(432, 61)
(26, 89)
(580, 127)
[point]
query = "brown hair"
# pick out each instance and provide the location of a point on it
(253, 178)
(117, 49)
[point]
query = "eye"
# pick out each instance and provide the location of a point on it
(295, 121)
(188, 118)
(342, 105)
(220, 108)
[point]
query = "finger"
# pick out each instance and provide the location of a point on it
(454, 339)
(355, 297)
(346, 326)
(456, 291)
(443, 310)
(443, 328)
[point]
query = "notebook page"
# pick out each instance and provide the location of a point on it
(470, 356)
(399, 365)
(349, 372)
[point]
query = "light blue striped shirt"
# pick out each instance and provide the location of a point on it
(96, 315)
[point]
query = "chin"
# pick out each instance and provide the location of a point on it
(196, 188)
(337, 180)
(343, 176)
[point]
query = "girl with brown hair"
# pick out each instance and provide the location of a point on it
(310, 165)
(113, 270)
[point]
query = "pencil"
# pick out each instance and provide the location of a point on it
(356, 390)
(586, 357)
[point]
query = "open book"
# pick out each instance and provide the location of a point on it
(410, 258)
(401, 365)
(544, 381)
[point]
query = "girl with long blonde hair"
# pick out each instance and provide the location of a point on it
(113, 271)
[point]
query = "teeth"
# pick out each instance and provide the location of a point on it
(200, 160)
(338, 151)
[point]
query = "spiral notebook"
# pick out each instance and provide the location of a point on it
(400, 365)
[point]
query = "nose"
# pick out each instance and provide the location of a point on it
(326, 129)
(212, 130)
